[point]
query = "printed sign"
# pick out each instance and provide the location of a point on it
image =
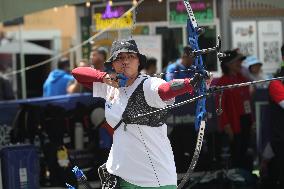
(244, 37)
(270, 41)
(203, 12)
(110, 16)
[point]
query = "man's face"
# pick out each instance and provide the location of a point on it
(236, 66)
(187, 60)
(152, 70)
(97, 60)
(256, 69)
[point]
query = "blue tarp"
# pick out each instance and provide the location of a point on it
(8, 109)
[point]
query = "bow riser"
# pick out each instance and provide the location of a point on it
(192, 28)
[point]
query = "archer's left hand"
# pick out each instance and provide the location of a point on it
(198, 77)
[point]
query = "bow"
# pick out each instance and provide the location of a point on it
(200, 115)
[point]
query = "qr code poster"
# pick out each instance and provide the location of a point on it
(270, 42)
(244, 35)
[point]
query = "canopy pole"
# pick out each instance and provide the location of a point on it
(23, 65)
(14, 76)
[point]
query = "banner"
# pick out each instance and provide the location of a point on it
(203, 11)
(270, 42)
(245, 37)
(104, 17)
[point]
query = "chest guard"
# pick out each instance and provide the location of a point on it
(137, 105)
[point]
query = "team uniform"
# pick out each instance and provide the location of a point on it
(138, 149)
(276, 165)
(238, 114)
(235, 102)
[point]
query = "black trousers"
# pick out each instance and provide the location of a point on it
(240, 144)
(183, 140)
(275, 169)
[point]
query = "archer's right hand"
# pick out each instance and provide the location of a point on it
(112, 80)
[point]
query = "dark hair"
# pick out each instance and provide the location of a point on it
(142, 63)
(102, 51)
(230, 56)
(63, 63)
(187, 50)
(282, 50)
(150, 62)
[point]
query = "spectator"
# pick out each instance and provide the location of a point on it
(252, 70)
(182, 63)
(98, 58)
(253, 66)
(276, 164)
(236, 118)
(75, 86)
(6, 91)
(150, 67)
(58, 79)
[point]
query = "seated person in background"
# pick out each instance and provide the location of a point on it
(74, 86)
(150, 67)
(58, 79)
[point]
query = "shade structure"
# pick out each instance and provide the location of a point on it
(24, 48)
(28, 48)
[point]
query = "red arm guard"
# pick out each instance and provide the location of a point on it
(87, 75)
(174, 88)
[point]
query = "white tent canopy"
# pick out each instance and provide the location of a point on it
(28, 48)
(23, 48)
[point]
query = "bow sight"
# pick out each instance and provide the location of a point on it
(217, 48)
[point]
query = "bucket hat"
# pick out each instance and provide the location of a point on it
(128, 46)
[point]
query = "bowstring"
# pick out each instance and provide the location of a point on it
(210, 91)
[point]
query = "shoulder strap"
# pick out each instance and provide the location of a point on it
(122, 119)
(118, 124)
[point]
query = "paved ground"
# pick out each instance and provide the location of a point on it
(95, 184)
